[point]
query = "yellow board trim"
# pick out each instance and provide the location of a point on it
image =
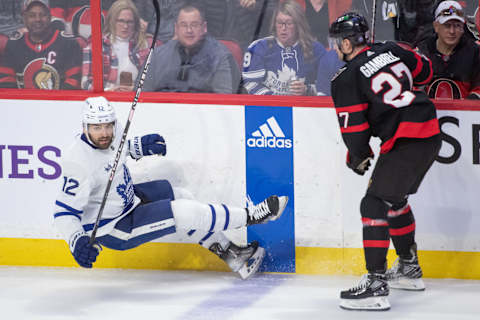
(180, 256)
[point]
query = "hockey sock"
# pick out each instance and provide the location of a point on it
(375, 233)
(402, 228)
(194, 215)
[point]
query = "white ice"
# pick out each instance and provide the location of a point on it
(73, 293)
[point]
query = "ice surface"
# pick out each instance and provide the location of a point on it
(74, 293)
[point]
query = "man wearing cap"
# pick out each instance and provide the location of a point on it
(43, 57)
(455, 57)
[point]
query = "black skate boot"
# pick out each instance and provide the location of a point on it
(406, 273)
(267, 210)
(370, 294)
(243, 260)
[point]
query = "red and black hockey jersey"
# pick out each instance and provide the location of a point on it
(373, 97)
(455, 76)
(53, 64)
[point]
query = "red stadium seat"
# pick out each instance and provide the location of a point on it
(3, 43)
(236, 51)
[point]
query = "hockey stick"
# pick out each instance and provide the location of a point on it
(127, 126)
(374, 15)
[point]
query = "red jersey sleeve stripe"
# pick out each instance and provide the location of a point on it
(354, 108)
(7, 80)
(73, 71)
(358, 128)
(412, 130)
(8, 71)
(74, 83)
(376, 243)
(419, 68)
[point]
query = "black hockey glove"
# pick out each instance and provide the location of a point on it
(359, 165)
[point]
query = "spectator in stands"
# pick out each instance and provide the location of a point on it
(194, 61)
(168, 13)
(238, 20)
(41, 58)
(290, 62)
(414, 20)
(455, 57)
(320, 13)
(125, 48)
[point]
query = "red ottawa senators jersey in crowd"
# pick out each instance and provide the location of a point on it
(373, 97)
(456, 76)
(53, 64)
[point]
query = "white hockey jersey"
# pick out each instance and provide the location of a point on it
(86, 171)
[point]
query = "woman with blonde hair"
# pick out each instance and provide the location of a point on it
(125, 48)
(290, 62)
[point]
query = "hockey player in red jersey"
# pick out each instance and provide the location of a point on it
(42, 58)
(373, 97)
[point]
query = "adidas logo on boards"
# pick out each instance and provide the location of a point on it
(269, 135)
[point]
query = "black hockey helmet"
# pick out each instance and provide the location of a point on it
(350, 26)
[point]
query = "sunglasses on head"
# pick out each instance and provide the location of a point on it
(450, 11)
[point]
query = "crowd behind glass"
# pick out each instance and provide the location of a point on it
(261, 47)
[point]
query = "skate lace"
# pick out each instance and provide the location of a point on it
(404, 268)
(257, 211)
(394, 269)
(362, 284)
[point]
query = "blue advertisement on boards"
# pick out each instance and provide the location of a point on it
(269, 165)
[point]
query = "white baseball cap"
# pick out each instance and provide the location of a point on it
(28, 3)
(448, 10)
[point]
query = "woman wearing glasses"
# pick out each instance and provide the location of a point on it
(125, 48)
(455, 56)
(290, 62)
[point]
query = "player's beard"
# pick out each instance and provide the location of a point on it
(102, 142)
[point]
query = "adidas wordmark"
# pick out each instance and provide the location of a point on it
(269, 135)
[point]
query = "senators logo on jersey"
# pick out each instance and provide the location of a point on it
(39, 75)
(444, 88)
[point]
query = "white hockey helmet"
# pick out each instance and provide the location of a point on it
(98, 110)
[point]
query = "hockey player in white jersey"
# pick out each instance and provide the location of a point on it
(139, 213)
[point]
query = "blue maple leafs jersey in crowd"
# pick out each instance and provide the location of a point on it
(268, 67)
(86, 171)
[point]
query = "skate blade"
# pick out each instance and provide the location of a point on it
(252, 264)
(282, 203)
(367, 304)
(407, 284)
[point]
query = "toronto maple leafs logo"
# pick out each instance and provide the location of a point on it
(126, 190)
(108, 167)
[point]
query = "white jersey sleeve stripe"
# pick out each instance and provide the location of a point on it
(67, 207)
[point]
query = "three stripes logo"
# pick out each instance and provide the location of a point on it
(269, 135)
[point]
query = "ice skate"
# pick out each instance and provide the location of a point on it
(406, 273)
(370, 294)
(243, 260)
(268, 210)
